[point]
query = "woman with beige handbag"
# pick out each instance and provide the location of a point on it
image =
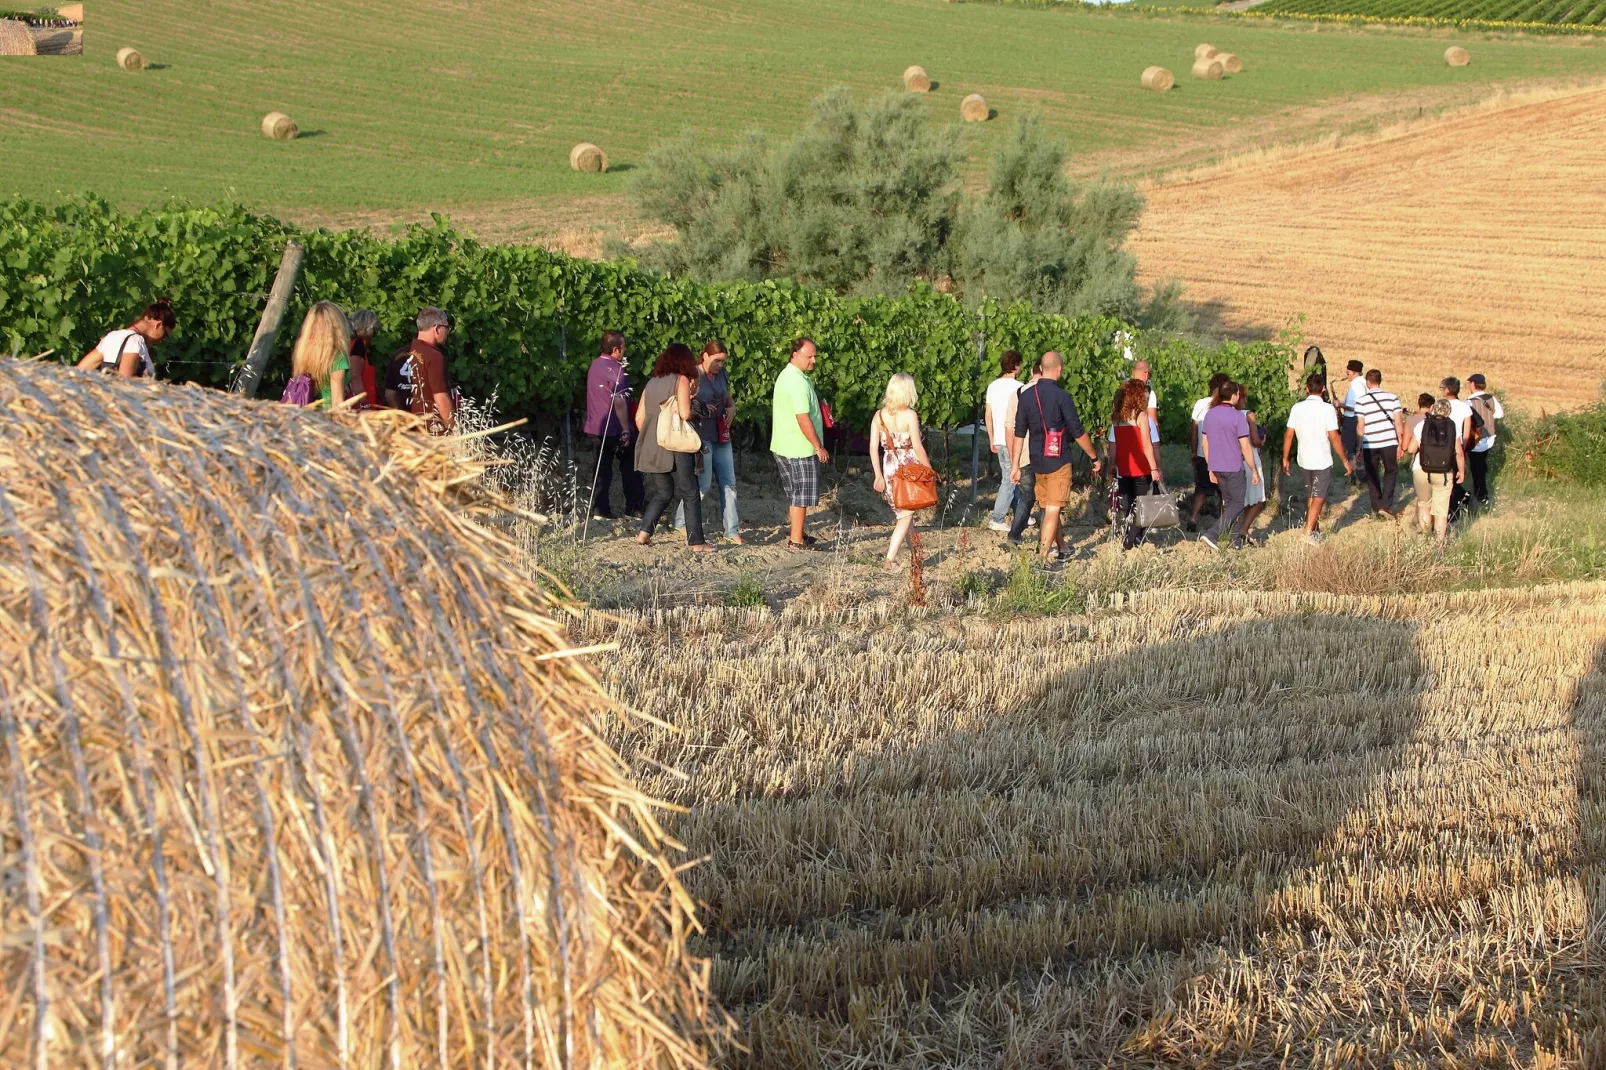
(667, 445)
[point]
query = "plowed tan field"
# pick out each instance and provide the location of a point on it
(1476, 242)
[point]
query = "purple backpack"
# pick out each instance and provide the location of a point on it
(298, 391)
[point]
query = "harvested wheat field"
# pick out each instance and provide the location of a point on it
(1470, 243)
(1209, 829)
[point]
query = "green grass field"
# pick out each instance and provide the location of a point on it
(415, 105)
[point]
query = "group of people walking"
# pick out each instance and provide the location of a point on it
(672, 442)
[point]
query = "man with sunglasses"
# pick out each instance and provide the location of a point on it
(418, 378)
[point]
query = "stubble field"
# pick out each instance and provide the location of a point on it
(1211, 829)
(1470, 243)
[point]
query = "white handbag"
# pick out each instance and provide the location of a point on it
(675, 434)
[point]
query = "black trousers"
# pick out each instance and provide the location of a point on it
(1478, 469)
(664, 488)
(1128, 489)
(1382, 468)
(609, 447)
(1025, 504)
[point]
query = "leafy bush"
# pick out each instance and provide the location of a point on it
(1565, 445)
(527, 321)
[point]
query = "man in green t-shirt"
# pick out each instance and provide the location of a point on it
(796, 439)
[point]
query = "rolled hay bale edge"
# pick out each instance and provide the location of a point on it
(130, 59)
(588, 158)
(1158, 79)
(973, 109)
(1230, 62)
(279, 127)
(1208, 70)
(15, 40)
(1456, 56)
(324, 826)
(916, 80)
(1203, 51)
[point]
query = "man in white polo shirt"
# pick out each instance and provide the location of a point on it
(1314, 424)
(1489, 409)
(1002, 393)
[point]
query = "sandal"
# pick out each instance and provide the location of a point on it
(702, 548)
(799, 547)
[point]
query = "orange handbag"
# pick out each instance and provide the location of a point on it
(914, 487)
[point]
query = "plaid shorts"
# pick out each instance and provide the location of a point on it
(800, 478)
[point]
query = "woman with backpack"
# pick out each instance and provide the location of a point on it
(127, 352)
(895, 444)
(1137, 461)
(320, 365)
(1440, 465)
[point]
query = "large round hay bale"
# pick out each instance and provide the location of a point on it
(1208, 70)
(296, 762)
(1230, 63)
(916, 80)
(15, 40)
(129, 59)
(973, 109)
(1456, 56)
(587, 157)
(1203, 51)
(1158, 79)
(279, 126)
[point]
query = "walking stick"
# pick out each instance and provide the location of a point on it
(592, 500)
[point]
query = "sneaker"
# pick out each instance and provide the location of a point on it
(1208, 541)
(1015, 544)
(1031, 521)
(1315, 538)
(997, 525)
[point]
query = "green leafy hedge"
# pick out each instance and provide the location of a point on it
(526, 321)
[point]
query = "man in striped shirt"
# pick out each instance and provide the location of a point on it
(1382, 425)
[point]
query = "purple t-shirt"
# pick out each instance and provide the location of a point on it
(606, 380)
(1223, 426)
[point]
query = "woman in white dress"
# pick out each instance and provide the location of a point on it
(894, 442)
(127, 352)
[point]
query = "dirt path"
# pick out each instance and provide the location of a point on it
(1470, 243)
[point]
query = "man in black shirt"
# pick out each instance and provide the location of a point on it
(1045, 416)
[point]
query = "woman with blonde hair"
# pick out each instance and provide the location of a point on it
(895, 442)
(319, 365)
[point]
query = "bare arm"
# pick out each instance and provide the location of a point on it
(641, 416)
(128, 365)
(1460, 462)
(1288, 446)
(1338, 447)
(914, 436)
(1087, 447)
(807, 425)
(1152, 456)
(683, 396)
(1249, 459)
(337, 389)
(987, 419)
(875, 451)
(91, 359)
(443, 407)
(1400, 433)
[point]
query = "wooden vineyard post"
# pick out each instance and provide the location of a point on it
(284, 285)
(977, 424)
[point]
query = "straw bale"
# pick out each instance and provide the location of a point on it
(1456, 56)
(15, 40)
(130, 59)
(587, 157)
(1204, 51)
(1208, 70)
(973, 109)
(279, 126)
(297, 769)
(916, 80)
(1230, 62)
(1158, 79)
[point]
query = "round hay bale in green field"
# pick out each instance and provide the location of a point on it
(299, 768)
(1208, 70)
(279, 126)
(588, 158)
(15, 40)
(1456, 56)
(1158, 79)
(973, 109)
(916, 80)
(1203, 51)
(130, 59)
(1230, 63)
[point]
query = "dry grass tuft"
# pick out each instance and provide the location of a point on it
(297, 766)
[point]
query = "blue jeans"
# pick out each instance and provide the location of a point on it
(718, 460)
(1008, 493)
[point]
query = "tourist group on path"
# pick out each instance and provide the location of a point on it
(671, 442)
